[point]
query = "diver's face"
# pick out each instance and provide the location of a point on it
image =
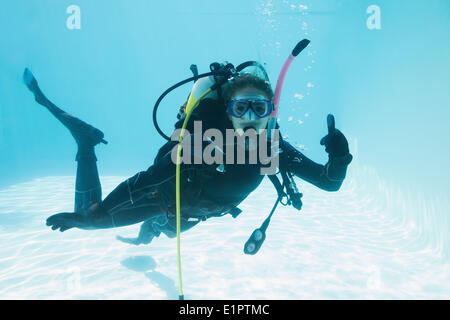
(249, 120)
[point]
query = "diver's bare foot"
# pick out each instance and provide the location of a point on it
(31, 83)
(136, 241)
(66, 220)
(146, 234)
(84, 133)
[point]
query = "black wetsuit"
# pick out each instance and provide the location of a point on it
(150, 195)
(206, 191)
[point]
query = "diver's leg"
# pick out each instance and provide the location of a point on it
(153, 227)
(87, 187)
(135, 200)
(81, 131)
(146, 233)
(98, 218)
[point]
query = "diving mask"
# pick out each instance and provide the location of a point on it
(261, 107)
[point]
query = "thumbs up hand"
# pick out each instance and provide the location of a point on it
(335, 143)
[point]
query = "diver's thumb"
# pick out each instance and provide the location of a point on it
(324, 140)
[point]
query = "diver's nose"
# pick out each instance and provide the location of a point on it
(249, 115)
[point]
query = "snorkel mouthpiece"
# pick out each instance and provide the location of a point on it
(276, 100)
(300, 46)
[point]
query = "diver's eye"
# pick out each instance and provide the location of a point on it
(260, 107)
(240, 107)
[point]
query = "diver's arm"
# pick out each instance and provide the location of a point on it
(328, 177)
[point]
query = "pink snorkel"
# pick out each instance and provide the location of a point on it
(276, 100)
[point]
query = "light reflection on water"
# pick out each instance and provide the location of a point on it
(367, 241)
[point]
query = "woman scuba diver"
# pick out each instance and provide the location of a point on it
(239, 103)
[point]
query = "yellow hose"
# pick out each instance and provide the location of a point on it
(190, 107)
